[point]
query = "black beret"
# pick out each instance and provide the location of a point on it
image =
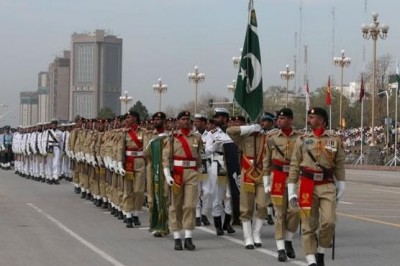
(240, 118)
(285, 112)
(134, 113)
(267, 116)
(183, 113)
(160, 115)
(211, 121)
(319, 111)
(7, 127)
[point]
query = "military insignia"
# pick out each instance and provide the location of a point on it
(278, 187)
(305, 198)
(331, 145)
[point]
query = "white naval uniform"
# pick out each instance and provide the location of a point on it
(220, 191)
(204, 202)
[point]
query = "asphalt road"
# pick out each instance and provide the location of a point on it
(50, 225)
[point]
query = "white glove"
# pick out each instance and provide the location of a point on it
(44, 153)
(87, 158)
(267, 183)
(93, 161)
(2, 148)
(162, 135)
(71, 154)
(340, 187)
(217, 146)
(113, 166)
(120, 169)
(292, 196)
(99, 160)
(168, 177)
(247, 130)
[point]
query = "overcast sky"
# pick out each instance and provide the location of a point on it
(167, 38)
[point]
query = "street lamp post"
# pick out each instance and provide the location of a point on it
(160, 88)
(341, 62)
(236, 59)
(374, 31)
(287, 75)
(125, 99)
(232, 88)
(196, 77)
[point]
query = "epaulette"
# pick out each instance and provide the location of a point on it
(213, 130)
(272, 132)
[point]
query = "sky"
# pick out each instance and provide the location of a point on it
(167, 38)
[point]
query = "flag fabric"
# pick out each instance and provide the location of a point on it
(362, 89)
(328, 99)
(249, 90)
(307, 97)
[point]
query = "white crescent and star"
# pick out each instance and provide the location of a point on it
(257, 73)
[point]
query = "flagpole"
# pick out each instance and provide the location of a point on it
(330, 118)
(361, 157)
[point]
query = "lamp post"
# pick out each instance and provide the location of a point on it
(374, 31)
(125, 99)
(287, 75)
(196, 77)
(232, 88)
(341, 62)
(160, 88)
(236, 59)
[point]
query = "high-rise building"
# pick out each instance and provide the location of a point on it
(28, 112)
(59, 86)
(96, 73)
(43, 97)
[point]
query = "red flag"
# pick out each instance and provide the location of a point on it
(328, 99)
(362, 89)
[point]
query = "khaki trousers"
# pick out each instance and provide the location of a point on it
(322, 219)
(250, 201)
(182, 211)
(286, 218)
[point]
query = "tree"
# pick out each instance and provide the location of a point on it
(105, 113)
(141, 109)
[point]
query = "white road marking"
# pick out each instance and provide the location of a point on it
(240, 242)
(97, 250)
(345, 202)
(388, 191)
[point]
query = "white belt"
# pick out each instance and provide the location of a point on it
(218, 157)
(134, 153)
(183, 163)
(204, 156)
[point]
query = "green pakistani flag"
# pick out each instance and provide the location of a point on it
(249, 91)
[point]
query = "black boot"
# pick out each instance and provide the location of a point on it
(289, 250)
(99, 203)
(227, 224)
(218, 225)
(112, 211)
(56, 182)
(205, 220)
(320, 259)
(178, 244)
(120, 215)
(136, 220)
(129, 223)
(88, 196)
(104, 205)
(189, 244)
(282, 255)
(270, 220)
(83, 195)
(198, 221)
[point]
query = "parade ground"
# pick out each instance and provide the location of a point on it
(45, 225)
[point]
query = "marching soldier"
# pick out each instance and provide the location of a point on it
(181, 154)
(317, 162)
(7, 147)
(157, 188)
(72, 140)
(221, 205)
(252, 195)
(276, 164)
(99, 144)
(131, 165)
(53, 160)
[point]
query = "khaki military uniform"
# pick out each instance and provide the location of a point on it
(252, 194)
(105, 152)
(130, 151)
(328, 151)
(89, 175)
(277, 162)
(182, 211)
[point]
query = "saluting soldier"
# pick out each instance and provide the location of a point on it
(131, 165)
(252, 194)
(317, 163)
(181, 154)
(276, 164)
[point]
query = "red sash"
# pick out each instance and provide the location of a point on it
(278, 184)
(130, 160)
(178, 170)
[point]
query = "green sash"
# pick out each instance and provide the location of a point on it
(159, 206)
